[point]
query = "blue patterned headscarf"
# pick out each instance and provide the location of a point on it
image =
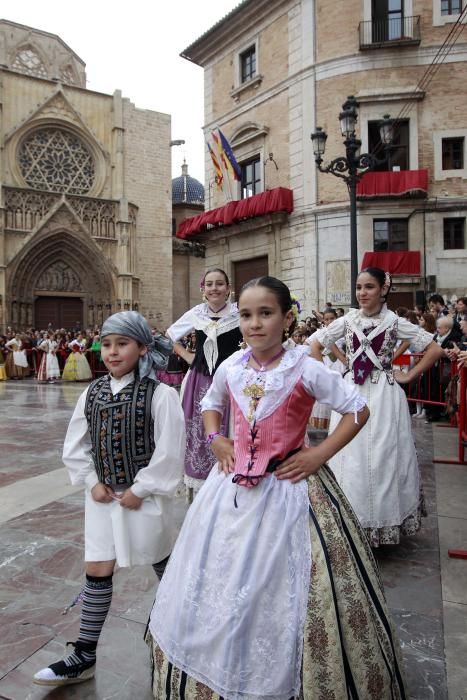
(132, 325)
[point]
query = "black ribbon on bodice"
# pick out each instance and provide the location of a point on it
(273, 464)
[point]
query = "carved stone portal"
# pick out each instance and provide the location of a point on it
(59, 277)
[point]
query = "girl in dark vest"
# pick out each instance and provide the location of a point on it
(125, 444)
(378, 471)
(216, 325)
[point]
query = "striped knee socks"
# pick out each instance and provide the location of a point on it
(96, 599)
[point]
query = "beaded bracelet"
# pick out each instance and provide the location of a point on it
(211, 437)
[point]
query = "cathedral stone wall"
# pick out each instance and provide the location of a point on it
(85, 203)
(148, 179)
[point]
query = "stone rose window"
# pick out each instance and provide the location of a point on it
(56, 160)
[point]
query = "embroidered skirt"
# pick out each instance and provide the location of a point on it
(48, 368)
(378, 469)
(199, 459)
(77, 368)
(349, 649)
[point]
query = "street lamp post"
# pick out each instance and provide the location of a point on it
(350, 168)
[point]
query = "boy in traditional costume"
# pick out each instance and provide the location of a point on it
(126, 444)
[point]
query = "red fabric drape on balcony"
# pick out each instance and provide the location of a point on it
(393, 184)
(401, 262)
(278, 199)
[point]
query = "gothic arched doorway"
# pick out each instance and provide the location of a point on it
(58, 312)
(61, 279)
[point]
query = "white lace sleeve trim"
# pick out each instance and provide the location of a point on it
(359, 405)
(330, 334)
(329, 388)
(418, 337)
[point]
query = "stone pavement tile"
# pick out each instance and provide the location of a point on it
(445, 441)
(42, 576)
(455, 631)
(405, 569)
(402, 588)
(453, 535)
(451, 489)
(421, 638)
(134, 593)
(123, 670)
(63, 519)
(26, 631)
(27, 493)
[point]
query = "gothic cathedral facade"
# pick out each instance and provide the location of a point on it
(85, 206)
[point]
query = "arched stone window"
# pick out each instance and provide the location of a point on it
(28, 61)
(56, 160)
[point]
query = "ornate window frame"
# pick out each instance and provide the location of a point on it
(30, 45)
(256, 80)
(13, 146)
(249, 142)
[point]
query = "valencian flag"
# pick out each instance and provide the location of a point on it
(219, 178)
(227, 156)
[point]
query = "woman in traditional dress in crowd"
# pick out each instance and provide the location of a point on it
(271, 591)
(215, 323)
(16, 364)
(49, 370)
(378, 471)
(77, 367)
(3, 376)
(332, 358)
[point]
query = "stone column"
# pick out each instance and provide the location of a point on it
(118, 187)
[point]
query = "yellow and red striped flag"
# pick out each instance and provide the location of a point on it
(226, 154)
(218, 177)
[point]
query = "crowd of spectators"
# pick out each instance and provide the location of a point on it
(448, 323)
(29, 341)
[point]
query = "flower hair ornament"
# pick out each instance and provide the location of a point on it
(296, 307)
(387, 285)
(201, 284)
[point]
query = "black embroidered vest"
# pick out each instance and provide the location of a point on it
(121, 429)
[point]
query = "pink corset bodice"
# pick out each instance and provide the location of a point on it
(271, 438)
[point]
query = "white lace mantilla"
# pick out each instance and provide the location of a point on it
(325, 385)
(403, 329)
(199, 318)
(278, 382)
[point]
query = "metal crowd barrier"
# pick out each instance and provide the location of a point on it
(462, 415)
(429, 389)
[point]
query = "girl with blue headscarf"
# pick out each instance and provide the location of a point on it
(125, 443)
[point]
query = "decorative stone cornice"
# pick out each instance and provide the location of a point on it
(230, 29)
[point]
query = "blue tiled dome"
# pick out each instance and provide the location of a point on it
(187, 190)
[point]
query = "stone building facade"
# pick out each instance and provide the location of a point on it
(85, 203)
(274, 70)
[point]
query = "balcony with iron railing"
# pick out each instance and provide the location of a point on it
(389, 32)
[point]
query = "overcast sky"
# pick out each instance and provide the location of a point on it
(134, 46)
